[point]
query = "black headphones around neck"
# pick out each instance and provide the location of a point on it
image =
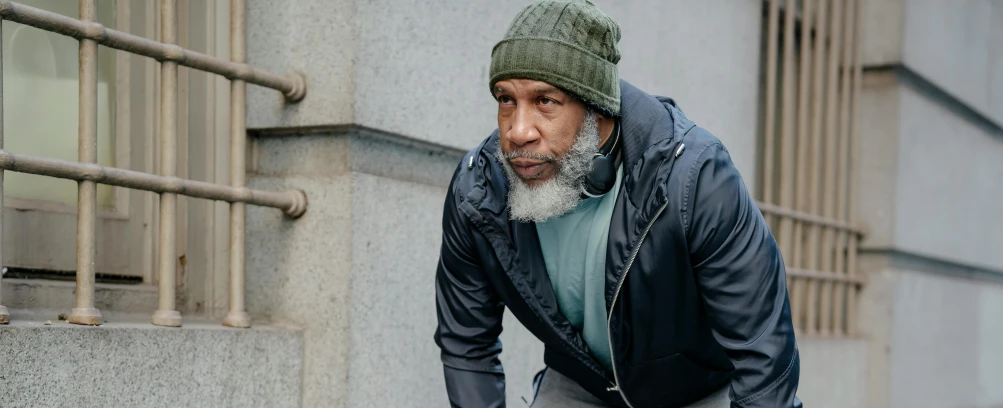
(602, 177)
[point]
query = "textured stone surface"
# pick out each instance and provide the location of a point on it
(949, 210)
(995, 70)
(833, 372)
(394, 255)
(945, 341)
(299, 272)
(314, 155)
(40, 293)
(929, 186)
(883, 27)
(522, 357)
(140, 365)
(678, 48)
(420, 69)
(337, 151)
(877, 170)
(357, 271)
(395, 250)
(313, 37)
(958, 45)
(876, 314)
(395, 243)
(403, 159)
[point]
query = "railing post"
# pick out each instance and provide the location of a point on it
(851, 217)
(4, 315)
(829, 178)
(84, 312)
(87, 173)
(787, 123)
(769, 125)
(166, 315)
(803, 137)
(815, 170)
(842, 167)
(237, 316)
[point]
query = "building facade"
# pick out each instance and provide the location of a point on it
(871, 132)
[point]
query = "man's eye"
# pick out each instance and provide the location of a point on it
(504, 99)
(546, 101)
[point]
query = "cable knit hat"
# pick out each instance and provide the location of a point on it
(569, 44)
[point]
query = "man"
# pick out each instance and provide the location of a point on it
(618, 232)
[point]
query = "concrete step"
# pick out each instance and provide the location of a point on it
(131, 363)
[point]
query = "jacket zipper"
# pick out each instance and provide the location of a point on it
(616, 295)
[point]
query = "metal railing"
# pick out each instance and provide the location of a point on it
(808, 178)
(88, 174)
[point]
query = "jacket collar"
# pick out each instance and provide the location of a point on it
(640, 115)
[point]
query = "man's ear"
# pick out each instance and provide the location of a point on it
(603, 119)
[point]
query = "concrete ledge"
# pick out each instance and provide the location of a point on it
(141, 365)
(943, 97)
(324, 152)
(914, 261)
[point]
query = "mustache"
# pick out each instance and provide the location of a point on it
(517, 154)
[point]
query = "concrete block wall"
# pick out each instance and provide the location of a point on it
(357, 270)
(928, 176)
(956, 45)
(929, 165)
(946, 336)
(934, 332)
(959, 46)
(833, 372)
(420, 69)
(136, 364)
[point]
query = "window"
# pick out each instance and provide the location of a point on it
(40, 74)
(810, 86)
(40, 103)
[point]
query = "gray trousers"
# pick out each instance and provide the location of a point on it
(557, 391)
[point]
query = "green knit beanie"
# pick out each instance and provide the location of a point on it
(568, 44)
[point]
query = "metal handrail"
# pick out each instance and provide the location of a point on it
(292, 202)
(293, 86)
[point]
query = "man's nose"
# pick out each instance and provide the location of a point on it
(523, 131)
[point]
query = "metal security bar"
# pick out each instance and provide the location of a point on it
(88, 174)
(292, 86)
(809, 202)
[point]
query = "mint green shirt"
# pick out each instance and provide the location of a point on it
(574, 250)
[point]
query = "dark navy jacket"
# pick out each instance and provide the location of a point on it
(696, 291)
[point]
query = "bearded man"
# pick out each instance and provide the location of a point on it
(616, 230)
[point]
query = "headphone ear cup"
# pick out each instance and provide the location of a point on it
(602, 177)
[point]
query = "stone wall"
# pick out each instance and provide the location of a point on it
(135, 364)
(929, 165)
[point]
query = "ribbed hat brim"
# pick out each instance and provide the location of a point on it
(558, 63)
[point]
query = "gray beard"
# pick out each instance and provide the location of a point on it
(560, 194)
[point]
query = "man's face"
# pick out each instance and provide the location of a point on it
(538, 124)
(548, 140)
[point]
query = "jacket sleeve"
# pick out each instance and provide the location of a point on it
(741, 277)
(469, 318)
